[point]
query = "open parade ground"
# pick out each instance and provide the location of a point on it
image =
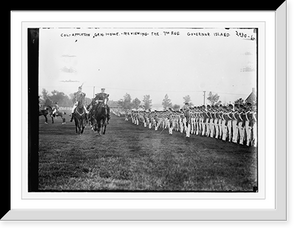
(134, 158)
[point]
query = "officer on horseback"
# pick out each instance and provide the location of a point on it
(103, 98)
(55, 108)
(79, 96)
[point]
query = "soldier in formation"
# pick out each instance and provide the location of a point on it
(233, 123)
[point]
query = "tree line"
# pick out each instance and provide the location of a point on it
(126, 103)
(61, 98)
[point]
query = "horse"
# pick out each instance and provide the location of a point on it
(60, 114)
(47, 110)
(79, 117)
(101, 115)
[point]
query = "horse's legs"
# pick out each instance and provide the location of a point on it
(76, 123)
(104, 128)
(81, 126)
(99, 126)
(46, 120)
(63, 119)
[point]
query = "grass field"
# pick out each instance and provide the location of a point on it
(134, 158)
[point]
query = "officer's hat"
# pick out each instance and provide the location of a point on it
(80, 87)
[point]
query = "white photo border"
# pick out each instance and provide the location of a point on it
(215, 208)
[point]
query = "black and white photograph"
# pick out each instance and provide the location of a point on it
(167, 116)
(147, 108)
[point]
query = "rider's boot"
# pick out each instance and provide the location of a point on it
(72, 117)
(108, 114)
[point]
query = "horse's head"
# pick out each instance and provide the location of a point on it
(101, 109)
(80, 104)
(48, 108)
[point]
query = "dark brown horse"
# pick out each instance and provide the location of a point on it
(59, 114)
(47, 110)
(101, 117)
(79, 116)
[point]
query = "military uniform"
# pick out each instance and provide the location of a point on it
(211, 121)
(79, 97)
(205, 120)
(201, 119)
(103, 98)
(254, 126)
(241, 125)
(192, 120)
(216, 122)
(235, 121)
(181, 124)
(197, 120)
(55, 108)
(229, 123)
(186, 119)
(248, 128)
(220, 119)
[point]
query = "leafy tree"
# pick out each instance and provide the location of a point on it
(48, 102)
(213, 98)
(125, 103)
(176, 107)
(147, 102)
(136, 103)
(166, 103)
(113, 103)
(44, 94)
(60, 98)
(57, 96)
(71, 97)
(187, 99)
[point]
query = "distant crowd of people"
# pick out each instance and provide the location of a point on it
(234, 123)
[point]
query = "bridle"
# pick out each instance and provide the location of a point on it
(81, 114)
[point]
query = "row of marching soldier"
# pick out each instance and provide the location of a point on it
(234, 123)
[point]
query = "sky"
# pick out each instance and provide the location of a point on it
(149, 61)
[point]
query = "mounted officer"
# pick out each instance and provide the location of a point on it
(103, 98)
(79, 97)
(55, 109)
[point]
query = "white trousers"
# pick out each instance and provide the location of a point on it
(248, 133)
(229, 130)
(241, 132)
(217, 128)
(255, 134)
(75, 105)
(224, 130)
(234, 131)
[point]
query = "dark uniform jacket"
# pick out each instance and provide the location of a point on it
(79, 97)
